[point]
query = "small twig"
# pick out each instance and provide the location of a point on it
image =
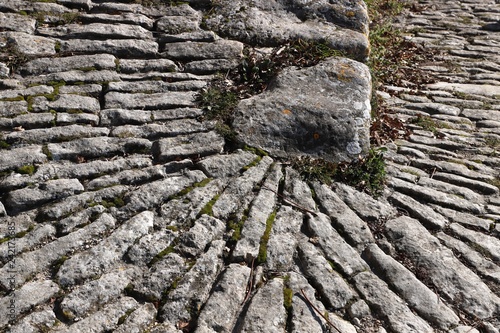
(250, 283)
(319, 312)
(290, 201)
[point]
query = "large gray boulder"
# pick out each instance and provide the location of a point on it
(341, 24)
(321, 111)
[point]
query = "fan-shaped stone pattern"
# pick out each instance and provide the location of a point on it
(321, 111)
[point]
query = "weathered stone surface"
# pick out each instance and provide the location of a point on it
(333, 288)
(98, 147)
(297, 191)
(26, 297)
(282, 242)
(476, 89)
(126, 18)
(32, 45)
(194, 288)
(62, 64)
(154, 193)
(489, 245)
(266, 312)
(235, 195)
(63, 133)
(168, 129)
(51, 190)
(199, 144)
(102, 257)
(456, 282)
(115, 117)
(106, 319)
(139, 320)
(263, 205)
(205, 230)
(154, 282)
(116, 100)
(76, 77)
(481, 264)
(331, 121)
(210, 66)
(104, 31)
(270, 23)
(17, 22)
(146, 65)
(31, 263)
(14, 158)
(431, 195)
(220, 166)
(354, 228)
(126, 48)
(378, 295)
(420, 298)
(421, 212)
(220, 49)
(179, 20)
(14, 108)
(93, 295)
(335, 247)
(220, 311)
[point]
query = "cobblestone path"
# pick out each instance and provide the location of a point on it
(121, 212)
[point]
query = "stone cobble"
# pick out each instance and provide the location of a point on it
(123, 209)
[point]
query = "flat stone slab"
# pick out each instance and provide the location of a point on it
(198, 144)
(342, 24)
(320, 111)
(467, 88)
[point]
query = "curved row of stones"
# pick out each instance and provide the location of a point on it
(134, 219)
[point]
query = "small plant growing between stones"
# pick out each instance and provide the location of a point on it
(27, 169)
(366, 173)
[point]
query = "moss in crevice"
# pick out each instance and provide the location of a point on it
(188, 189)
(367, 173)
(26, 169)
(262, 256)
(208, 207)
(163, 253)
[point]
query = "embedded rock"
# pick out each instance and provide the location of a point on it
(273, 22)
(321, 111)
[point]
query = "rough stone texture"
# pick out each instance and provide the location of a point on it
(272, 22)
(106, 153)
(330, 121)
(441, 267)
(222, 307)
(266, 312)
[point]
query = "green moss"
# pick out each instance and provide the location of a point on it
(172, 228)
(57, 46)
(122, 319)
(262, 256)
(185, 191)
(58, 263)
(428, 123)
(256, 151)
(12, 99)
(492, 141)
(251, 164)
(366, 173)
(162, 254)
(287, 298)
(235, 225)
(4, 144)
(208, 207)
(26, 169)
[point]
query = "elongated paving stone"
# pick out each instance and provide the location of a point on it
(455, 282)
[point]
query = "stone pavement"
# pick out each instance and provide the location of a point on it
(121, 211)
